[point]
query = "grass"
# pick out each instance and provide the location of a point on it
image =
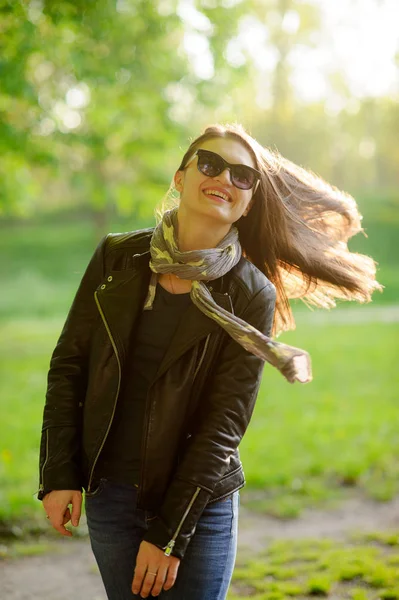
(353, 569)
(26, 549)
(45, 262)
(309, 441)
(305, 444)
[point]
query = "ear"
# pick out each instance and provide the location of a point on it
(178, 179)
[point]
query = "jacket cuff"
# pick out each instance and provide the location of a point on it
(42, 492)
(59, 467)
(173, 533)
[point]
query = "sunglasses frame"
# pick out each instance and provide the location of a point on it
(226, 165)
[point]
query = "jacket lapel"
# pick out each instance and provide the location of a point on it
(193, 326)
(121, 298)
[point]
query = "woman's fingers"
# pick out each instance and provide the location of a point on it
(58, 525)
(76, 508)
(58, 519)
(153, 570)
(139, 574)
(56, 505)
(159, 581)
(152, 578)
(67, 516)
(171, 574)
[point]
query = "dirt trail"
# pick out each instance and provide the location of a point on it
(353, 515)
(69, 570)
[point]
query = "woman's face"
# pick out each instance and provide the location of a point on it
(194, 186)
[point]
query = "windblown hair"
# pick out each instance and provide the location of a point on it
(296, 232)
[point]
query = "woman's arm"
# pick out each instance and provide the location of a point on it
(66, 388)
(226, 409)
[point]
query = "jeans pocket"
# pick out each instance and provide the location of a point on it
(97, 491)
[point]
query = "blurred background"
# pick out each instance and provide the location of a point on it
(98, 103)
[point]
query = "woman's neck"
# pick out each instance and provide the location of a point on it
(196, 234)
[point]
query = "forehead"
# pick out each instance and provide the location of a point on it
(231, 150)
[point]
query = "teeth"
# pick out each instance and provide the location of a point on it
(217, 193)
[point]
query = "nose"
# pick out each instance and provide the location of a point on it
(225, 175)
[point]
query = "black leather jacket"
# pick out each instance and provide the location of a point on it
(198, 406)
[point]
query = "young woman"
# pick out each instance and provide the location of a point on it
(155, 375)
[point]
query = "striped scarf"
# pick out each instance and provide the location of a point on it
(209, 264)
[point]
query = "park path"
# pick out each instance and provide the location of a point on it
(68, 570)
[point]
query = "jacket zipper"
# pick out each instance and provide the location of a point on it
(117, 390)
(202, 355)
(41, 486)
(169, 547)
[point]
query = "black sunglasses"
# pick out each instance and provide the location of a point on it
(212, 164)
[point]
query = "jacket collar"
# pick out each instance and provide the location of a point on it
(121, 298)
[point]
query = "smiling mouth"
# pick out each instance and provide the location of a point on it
(216, 195)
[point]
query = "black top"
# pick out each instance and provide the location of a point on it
(119, 460)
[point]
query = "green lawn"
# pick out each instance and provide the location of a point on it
(308, 441)
(304, 442)
(45, 262)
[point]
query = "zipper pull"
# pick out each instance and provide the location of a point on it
(168, 549)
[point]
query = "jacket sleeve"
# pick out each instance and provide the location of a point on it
(226, 409)
(59, 464)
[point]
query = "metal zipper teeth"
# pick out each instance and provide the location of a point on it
(168, 548)
(41, 486)
(202, 355)
(117, 390)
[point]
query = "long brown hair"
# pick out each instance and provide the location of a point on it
(296, 232)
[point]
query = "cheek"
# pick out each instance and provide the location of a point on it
(194, 182)
(243, 200)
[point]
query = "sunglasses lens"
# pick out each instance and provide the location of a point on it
(209, 164)
(243, 178)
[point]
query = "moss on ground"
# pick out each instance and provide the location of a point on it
(365, 567)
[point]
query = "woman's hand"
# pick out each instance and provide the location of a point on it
(56, 504)
(151, 560)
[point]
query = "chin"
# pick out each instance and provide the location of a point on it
(207, 211)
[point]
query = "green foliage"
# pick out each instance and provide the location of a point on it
(115, 130)
(99, 100)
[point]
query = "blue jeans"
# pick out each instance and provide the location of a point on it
(116, 528)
